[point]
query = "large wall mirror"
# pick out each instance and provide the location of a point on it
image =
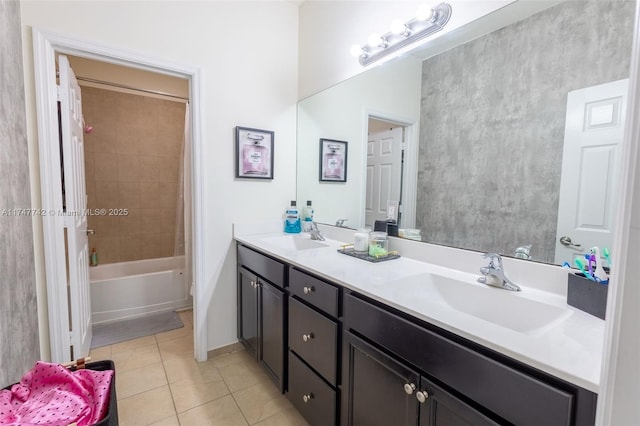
(507, 141)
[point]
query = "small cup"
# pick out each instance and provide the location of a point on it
(361, 241)
(378, 244)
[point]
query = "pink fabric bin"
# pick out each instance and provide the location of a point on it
(111, 416)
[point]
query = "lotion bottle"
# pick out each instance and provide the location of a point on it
(307, 217)
(94, 257)
(292, 219)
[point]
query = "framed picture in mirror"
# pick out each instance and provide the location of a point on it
(254, 153)
(333, 160)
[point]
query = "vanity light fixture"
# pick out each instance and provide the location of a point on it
(428, 21)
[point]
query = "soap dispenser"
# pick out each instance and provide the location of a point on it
(292, 219)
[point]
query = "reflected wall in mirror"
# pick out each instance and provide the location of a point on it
(486, 124)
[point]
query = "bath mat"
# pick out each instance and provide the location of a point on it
(119, 331)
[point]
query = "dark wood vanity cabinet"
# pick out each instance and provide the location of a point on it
(463, 383)
(248, 310)
(381, 390)
(314, 347)
(344, 358)
(262, 310)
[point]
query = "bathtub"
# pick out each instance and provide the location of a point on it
(132, 289)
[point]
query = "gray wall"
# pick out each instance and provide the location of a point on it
(492, 124)
(19, 345)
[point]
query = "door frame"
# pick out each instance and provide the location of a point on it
(410, 171)
(45, 47)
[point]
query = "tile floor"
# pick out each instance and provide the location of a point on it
(158, 382)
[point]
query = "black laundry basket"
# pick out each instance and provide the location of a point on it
(111, 418)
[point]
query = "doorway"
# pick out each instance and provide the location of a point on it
(138, 194)
(46, 48)
(390, 190)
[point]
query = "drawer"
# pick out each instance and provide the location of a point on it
(269, 269)
(320, 294)
(314, 338)
(311, 396)
(516, 396)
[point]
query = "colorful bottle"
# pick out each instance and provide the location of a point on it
(254, 156)
(292, 219)
(307, 217)
(94, 257)
(333, 163)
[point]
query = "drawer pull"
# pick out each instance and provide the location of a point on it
(307, 337)
(308, 290)
(307, 398)
(422, 396)
(409, 388)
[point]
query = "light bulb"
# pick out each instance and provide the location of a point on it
(376, 40)
(400, 28)
(424, 12)
(356, 51)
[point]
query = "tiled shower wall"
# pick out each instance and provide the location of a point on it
(132, 162)
(19, 341)
(492, 124)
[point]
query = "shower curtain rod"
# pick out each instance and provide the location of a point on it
(124, 86)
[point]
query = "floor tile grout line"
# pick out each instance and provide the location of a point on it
(140, 393)
(166, 376)
(240, 409)
(164, 369)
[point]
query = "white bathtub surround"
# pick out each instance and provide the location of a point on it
(569, 347)
(138, 288)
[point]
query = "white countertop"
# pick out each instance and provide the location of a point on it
(569, 348)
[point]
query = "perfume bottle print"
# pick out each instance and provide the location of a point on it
(254, 156)
(333, 162)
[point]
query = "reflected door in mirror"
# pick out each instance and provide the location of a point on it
(593, 139)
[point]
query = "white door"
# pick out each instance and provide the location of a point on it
(75, 204)
(594, 131)
(384, 169)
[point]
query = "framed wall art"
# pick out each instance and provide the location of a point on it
(254, 153)
(333, 160)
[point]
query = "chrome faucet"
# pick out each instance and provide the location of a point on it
(315, 232)
(493, 274)
(340, 222)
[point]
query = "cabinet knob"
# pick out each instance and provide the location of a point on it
(308, 290)
(253, 284)
(308, 397)
(422, 396)
(409, 388)
(307, 337)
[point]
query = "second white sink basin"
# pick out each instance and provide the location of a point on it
(293, 242)
(500, 307)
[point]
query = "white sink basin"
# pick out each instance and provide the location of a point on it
(293, 242)
(500, 307)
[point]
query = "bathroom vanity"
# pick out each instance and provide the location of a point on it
(357, 343)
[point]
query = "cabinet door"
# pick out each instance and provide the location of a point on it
(272, 316)
(248, 310)
(379, 390)
(440, 408)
